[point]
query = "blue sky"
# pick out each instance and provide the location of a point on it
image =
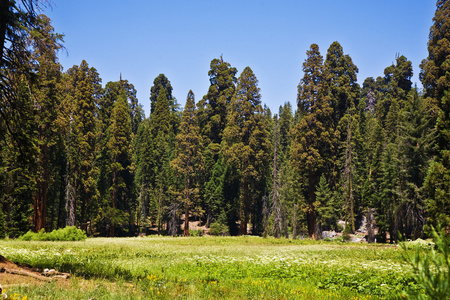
(143, 38)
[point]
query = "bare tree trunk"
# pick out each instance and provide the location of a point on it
(370, 233)
(276, 217)
(71, 201)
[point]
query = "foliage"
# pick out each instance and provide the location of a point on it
(69, 233)
(218, 229)
(431, 267)
(219, 267)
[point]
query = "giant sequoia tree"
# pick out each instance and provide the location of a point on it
(212, 109)
(48, 74)
(313, 136)
(436, 82)
(83, 96)
(246, 144)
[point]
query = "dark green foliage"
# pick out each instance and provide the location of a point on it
(431, 267)
(313, 141)
(212, 109)
(326, 206)
(188, 158)
(69, 233)
(75, 153)
(246, 146)
(341, 78)
(84, 93)
(159, 84)
(218, 229)
(436, 82)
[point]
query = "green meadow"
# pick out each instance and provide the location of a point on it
(212, 268)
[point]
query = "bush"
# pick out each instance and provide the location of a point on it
(69, 233)
(195, 232)
(346, 234)
(431, 266)
(218, 229)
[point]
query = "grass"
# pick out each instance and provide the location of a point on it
(214, 267)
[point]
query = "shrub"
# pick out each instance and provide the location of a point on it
(195, 232)
(218, 229)
(69, 233)
(346, 234)
(431, 266)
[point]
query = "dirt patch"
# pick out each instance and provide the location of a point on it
(14, 275)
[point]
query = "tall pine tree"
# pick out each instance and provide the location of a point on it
(188, 157)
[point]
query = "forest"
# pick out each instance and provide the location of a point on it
(76, 153)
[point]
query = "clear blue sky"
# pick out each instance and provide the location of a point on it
(143, 38)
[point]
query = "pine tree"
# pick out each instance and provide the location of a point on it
(327, 210)
(188, 159)
(214, 194)
(161, 134)
(246, 144)
(86, 90)
(341, 76)
(436, 82)
(144, 161)
(45, 43)
(119, 152)
(415, 146)
(212, 109)
(162, 83)
(313, 136)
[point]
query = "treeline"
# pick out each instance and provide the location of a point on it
(76, 153)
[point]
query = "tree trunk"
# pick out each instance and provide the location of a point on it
(369, 221)
(40, 206)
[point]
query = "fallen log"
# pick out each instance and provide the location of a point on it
(25, 273)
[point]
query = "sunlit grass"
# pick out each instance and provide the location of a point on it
(221, 267)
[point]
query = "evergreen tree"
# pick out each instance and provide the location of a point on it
(86, 90)
(415, 146)
(341, 76)
(45, 43)
(214, 194)
(162, 136)
(119, 152)
(394, 87)
(188, 157)
(246, 145)
(286, 122)
(325, 205)
(436, 82)
(212, 109)
(162, 83)
(313, 136)
(144, 161)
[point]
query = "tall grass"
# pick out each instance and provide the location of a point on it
(226, 267)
